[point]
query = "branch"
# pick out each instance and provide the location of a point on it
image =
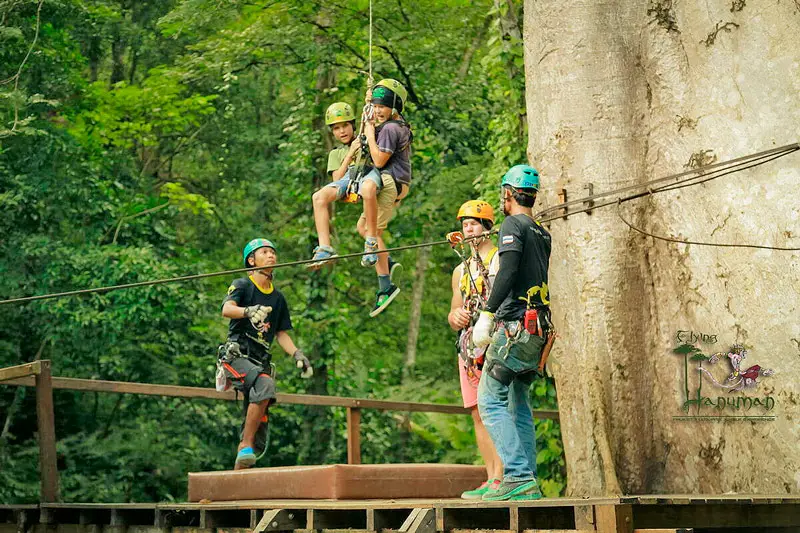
(403, 12)
(184, 140)
(326, 30)
(16, 76)
(412, 94)
(466, 59)
(130, 217)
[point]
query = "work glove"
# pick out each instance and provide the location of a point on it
(257, 313)
(455, 237)
(303, 362)
(483, 329)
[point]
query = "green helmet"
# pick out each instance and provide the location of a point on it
(339, 112)
(522, 177)
(254, 245)
(395, 87)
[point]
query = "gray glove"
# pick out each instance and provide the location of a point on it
(257, 313)
(304, 363)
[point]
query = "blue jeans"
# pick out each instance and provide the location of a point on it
(505, 409)
(341, 184)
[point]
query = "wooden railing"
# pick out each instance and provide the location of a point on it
(37, 374)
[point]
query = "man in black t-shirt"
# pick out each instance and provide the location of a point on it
(515, 325)
(259, 314)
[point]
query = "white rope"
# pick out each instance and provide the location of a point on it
(370, 81)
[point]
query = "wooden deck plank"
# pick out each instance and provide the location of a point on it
(453, 503)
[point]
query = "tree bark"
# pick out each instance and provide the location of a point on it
(415, 313)
(318, 425)
(620, 93)
(117, 56)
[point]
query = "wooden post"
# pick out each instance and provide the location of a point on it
(353, 436)
(47, 434)
(613, 518)
(562, 198)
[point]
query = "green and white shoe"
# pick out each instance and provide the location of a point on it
(477, 494)
(514, 491)
(383, 299)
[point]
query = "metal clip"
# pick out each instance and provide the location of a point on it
(515, 333)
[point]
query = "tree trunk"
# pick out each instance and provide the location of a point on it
(318, 424)
(94, 52)
(415, 313)
(620, 93)
(117, 56)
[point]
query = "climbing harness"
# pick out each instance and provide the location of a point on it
(474, 301)
(360, 167)
(226, 354)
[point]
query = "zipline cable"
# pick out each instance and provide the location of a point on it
(693, 173)
(192, 277)
(719, 170)
(696, 177)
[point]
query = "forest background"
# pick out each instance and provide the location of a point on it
(144, 139)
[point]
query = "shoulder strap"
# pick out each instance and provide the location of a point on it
(490, 256)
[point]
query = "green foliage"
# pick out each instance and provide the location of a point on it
(154, 139)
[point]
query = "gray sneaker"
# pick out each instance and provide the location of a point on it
(370, 256)
(322, 254)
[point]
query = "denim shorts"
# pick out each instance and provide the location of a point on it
(341, 184)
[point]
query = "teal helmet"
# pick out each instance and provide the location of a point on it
(521, 177)
(254, 245)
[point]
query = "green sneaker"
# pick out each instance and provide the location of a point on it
(383, 299)
(514, 491)
(477, 494)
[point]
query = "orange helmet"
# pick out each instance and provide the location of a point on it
(477, 209)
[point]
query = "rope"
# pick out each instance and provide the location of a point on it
(721, 169)
(370, 79)
(682, 241)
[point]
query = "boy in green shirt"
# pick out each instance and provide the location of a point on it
(341, 120)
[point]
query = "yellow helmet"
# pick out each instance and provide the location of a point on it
(394, 98)
(339, 112)
(476, 209)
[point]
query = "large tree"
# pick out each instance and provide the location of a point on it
(622, 92)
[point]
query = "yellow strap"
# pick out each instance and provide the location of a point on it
(464, 284)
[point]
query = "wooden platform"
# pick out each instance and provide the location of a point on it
(337, 482)
(642, 514)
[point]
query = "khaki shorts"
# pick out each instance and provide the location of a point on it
(387, 201)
